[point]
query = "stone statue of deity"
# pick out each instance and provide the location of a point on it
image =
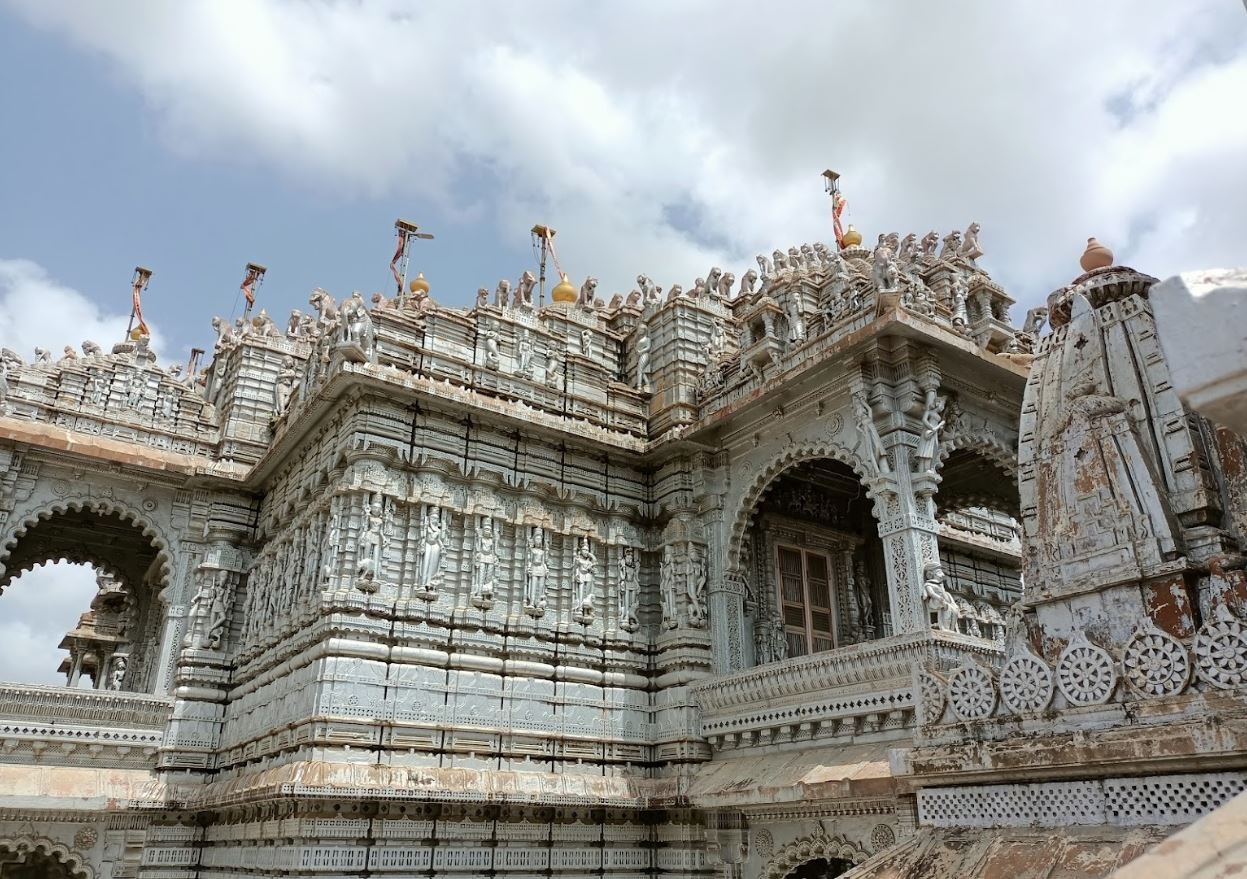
(938, 601)
(584, 576)
(869, 443)
(642, 359)
(695, 588)
(929, 443)
(117, 676)
(485, 562)
(536, 570)
(431, 542)
(629, 589)
(667, 590)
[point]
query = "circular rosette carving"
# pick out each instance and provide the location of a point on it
(1155, 663)
(1026, 684)
(933, 699)
(972, 693)
(882, 837)
(1221, 652)
(1085, 672)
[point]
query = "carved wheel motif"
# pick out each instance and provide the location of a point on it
(1221, 653)
(1026, 684)
(764, 843)
(882, 837)
(933, 700)
(1085, 673)
(1155, 663)
(972, 693)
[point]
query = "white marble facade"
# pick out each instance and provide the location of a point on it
(588, 589)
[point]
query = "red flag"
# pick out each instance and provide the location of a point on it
(138, 307)
(247, 288)
(838, 204)
(398, 254)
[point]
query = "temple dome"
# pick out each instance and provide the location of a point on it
(419, 284)
(564, 290)
(851, 238)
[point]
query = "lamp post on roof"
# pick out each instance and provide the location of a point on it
(406, 230)
(543, 236)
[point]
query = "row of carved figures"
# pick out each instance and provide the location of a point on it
(299, 566)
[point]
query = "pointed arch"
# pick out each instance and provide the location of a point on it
(789, 457)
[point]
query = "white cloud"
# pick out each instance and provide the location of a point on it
(1045, 122)
(35, 309)
(36, 610)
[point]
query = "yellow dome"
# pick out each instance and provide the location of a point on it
(418, 283)
(852, 238)
(564, 290)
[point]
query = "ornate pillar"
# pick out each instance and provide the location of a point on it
(727, 617)
(908, 532)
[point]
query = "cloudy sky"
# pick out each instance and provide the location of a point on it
(656, 137)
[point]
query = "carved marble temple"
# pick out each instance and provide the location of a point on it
(725, 582)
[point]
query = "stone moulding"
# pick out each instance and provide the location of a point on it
(120, 709)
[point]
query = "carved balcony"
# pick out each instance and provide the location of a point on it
(80, 726)
(861, 688)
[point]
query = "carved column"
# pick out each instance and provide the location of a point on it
(727, 615)
(908, 532)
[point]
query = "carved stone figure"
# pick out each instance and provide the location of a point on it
(765, 270)
(117, 676)
(952, 244)
(869, 443)
(372, 541)
(907, 250)
(586, 343)
(959, 292)
(796, 319)
(92, 349)
(700, 289)
(649, 292)
(431, 541)
(502, 295)
(524, 290)
(584, 576)
(284, 388)
(585, 299)
(695, 589)
(747, 281)
(886, 275)
(713, 278)
(485, 565)
(629, 589)
(357, 323)
(493, 357)
(642, 358)
(718, 338)
(863, 593)
(667, 589)
(136, 390)
(69, 355)
(208, 613)
(536, 569)
(482, 297)
(556, 360)
(724, 288)
(970, 249)
(262, 325)
(326, 308)
(938, 601)
(929, 442)
(779, 640)
(929, 242)
(524, 353)
(1035, 320)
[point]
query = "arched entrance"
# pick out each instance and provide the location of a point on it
(810, 551)
(117, 641)
(977, 509)
(38, 858)
(821, 868)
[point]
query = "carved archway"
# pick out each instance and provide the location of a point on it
(991, 455)
(25, 848)
(122, 639)
(987, 445)
(99, 507)
(814, 847)
(789, 457)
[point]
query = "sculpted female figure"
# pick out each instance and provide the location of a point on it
(434, 537)
(535, 572)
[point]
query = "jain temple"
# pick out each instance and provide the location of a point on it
(829, 567)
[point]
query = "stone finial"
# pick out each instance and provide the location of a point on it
(1096, 256)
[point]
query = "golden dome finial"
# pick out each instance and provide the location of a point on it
(418, 283)
(852, 238)
(564, 290)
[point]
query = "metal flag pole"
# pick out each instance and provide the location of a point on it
(254, 278)
(142, 276)
(544, 236)
(406, 230)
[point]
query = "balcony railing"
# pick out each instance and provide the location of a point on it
(66, 705)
